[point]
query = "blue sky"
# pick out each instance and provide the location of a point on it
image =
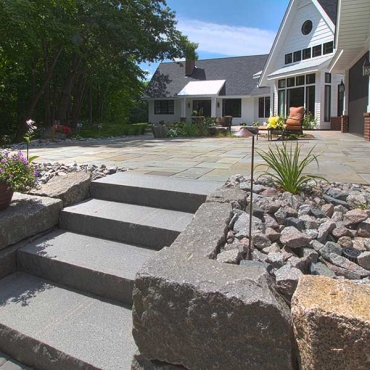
(227, 28)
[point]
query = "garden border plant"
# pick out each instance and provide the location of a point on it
(288, 168)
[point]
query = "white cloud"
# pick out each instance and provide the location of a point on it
(227, 40)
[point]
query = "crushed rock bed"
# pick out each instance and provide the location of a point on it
(295, 235)
(46, 171)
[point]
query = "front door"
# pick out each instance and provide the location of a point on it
(203, 107)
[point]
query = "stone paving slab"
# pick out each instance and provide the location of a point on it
(39, 309)
(345, 155)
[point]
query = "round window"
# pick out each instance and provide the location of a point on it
(307, 27)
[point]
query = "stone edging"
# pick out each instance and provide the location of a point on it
(191, 310)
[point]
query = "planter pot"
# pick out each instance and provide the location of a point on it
(6, 195)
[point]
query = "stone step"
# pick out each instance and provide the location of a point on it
(101, 267)
(48, 327)
(184, 195)
(127, 223)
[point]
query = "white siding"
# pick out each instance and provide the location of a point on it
(247, 112)
(295, 40)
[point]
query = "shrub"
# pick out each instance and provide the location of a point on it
(17, 172)
(309, 122)
(287, 168)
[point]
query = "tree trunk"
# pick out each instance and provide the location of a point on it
(36, 98)
(78, 96)
(67, 90)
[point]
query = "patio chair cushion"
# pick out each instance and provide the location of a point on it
(295, 118)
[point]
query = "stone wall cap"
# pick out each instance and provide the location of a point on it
(343, 297)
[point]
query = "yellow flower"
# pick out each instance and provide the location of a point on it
(272, 122)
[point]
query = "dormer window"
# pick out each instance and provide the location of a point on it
(297, 56)
(328, 47)
(288, 58)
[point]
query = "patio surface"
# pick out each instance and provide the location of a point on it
(344, 158)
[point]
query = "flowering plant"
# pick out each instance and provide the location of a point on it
(276, 123)
(28, 135)
(63, 129)
(17, 172)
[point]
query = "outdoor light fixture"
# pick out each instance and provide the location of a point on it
(218, 104)
(341, 87)
(188, 105)
(366, 68)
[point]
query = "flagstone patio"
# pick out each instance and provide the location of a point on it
(344, 157)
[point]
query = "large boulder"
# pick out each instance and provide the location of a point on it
(26, 216)
(331, 321)
(193, 311)
(71, 188)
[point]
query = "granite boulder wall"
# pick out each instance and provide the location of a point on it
(193, 311)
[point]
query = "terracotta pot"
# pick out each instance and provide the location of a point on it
(6, 195)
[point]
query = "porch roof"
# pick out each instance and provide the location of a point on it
(352, 34)
(202, 88)
(305, 66)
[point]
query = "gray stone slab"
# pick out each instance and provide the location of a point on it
(91, 333)
(97, 266)
(14, 365)
(3, 358)
(27, 215)
(154, 191)
(209, 314)
(71, 188)
(138, 225)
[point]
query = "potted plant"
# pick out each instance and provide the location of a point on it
(16, 174)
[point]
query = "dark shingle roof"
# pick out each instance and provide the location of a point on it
(330, 7)
(169, 78)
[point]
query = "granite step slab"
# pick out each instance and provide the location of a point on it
(98, 266)
(49, 327)
(127, 223)
(184, 195)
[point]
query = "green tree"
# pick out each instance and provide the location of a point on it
(69, 60)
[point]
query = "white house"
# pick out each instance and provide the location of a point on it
(251, 88)
(212, 87)
(297, 69)
(352, 42)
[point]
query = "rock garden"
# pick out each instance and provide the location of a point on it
(325, 231)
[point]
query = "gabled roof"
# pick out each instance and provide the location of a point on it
(331, 8)
(325, 7)
(169, 78)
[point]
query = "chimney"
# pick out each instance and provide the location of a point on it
(189, 67)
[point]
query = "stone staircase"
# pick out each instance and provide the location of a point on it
(69, 304)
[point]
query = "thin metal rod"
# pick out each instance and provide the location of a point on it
(249, 253)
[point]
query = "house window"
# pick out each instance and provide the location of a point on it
(288, 58)
(310, 79)
(164, 106)
(306, 53)
(328, 47)
(328, 78)
(232, 107)
(282, 84)
(310, 99)
(316, 51)
(297, 56)
(290, 82)
(299, 80)
(327, 104)
(281, 103)
(340, 102)
(306, 27)
(264, 107)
